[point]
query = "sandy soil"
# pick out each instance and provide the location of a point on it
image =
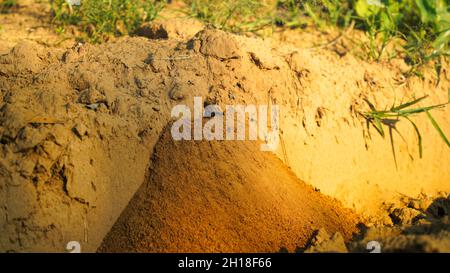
(418, 225)
(79, 127)
(225, 196)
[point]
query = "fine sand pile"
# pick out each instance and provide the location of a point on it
(78, 128)
(222, 196)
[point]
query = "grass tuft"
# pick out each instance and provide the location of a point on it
(235, 16)
(7, 5)
(101, 19)
(392, 116)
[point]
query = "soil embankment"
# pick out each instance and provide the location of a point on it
(78, 127)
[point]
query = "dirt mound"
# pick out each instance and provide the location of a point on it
(222, 196)
(78, 126)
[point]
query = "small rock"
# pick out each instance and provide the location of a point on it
(176, 93)
(322, 242)
(405, 215)
(80, 130)
(219, 44)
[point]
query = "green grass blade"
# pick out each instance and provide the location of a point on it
(313, 15)
(436, 126)
(419, 136)
(405, 105)
(378, 126)
(420, 110)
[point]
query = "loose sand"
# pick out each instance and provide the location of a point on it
(222, 196)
